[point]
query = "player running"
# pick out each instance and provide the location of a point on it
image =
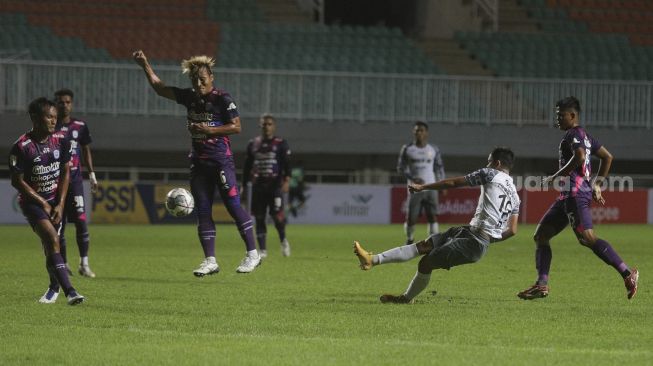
(573, 204)
(421, 163)
(268, 169)
(212, 116)
(77, 133)
(496, 219)
(38, 163)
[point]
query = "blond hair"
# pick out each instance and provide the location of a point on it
(193, 64)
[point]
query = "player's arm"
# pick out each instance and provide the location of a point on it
(64, 180)
(157, 84)
(88, 161)
(402, 165)
(285, 169)
(230, 128)
(439, 185)
(576, 160)
(511, 228)
(604, 168)
(438, 166)
(18, 182)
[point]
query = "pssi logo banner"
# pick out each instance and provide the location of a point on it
(118, 202)
(124, 202)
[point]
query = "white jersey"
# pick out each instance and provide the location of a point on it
(424, 163)
(498, 201)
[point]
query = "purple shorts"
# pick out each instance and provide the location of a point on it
(33, 212)
(266, 196)
(571, 210)
(75, 207)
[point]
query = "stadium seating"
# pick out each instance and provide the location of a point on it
(234, 31)
(315, 47)
(588, 39)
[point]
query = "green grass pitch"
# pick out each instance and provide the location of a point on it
(316, 307)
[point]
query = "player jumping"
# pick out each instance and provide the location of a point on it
(212, 116)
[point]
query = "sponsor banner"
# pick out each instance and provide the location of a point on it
(619, 208)
(458, 206)
(126, 202)
(455, 205)
(10, 212)
(119, 202)
(345, 204)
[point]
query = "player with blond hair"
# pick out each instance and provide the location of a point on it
(212, 116)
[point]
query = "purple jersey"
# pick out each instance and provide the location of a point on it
(78, 134)
(579, 179)
(267, 161)
(217, 109)
(40, 163)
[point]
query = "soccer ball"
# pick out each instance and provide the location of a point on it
(179, 202)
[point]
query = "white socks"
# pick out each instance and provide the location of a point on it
(395, 255)
(410, 231)
(252, 253)
(417, 285)
(211, 259)
(84, 261)
(434, 228)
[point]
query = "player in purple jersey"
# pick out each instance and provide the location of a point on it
(267, 168)
(212, 116)
(573, 204)
(77, 133)
(39, 168)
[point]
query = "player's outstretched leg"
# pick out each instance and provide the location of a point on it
(364, 257)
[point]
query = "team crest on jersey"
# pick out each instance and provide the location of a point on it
(231, 107)
(56, 154)
(75, 134)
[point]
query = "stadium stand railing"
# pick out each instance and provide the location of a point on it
(119, 89)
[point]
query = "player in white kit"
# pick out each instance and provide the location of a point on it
(421, 163)
(495, 220)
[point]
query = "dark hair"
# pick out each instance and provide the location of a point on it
(423, 124)
(62, 92)
(504, 155)
(268, 115)
(568, 103)
(37, 107)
